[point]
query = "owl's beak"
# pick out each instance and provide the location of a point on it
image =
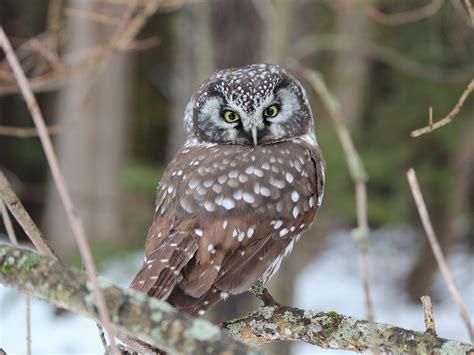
(254, 135)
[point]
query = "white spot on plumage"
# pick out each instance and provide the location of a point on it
(224, 224)
(210, 247)
(296, 211)
(228, 203)
(289, 177)
(238, 194)
(209, 206)
(198, 232)
(277, 183)
(207, 183)
(311, 202)
(250, 169)
(258, 172)
(265, 191)
(243, 178)
(250, 232)
(295, 196)
(283, 232)
(233, 173)
(217, 188)
(193, 183)
(278, 224)
(249, 198)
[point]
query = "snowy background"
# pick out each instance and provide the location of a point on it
(331, 282)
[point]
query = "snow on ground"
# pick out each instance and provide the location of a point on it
(331, 282)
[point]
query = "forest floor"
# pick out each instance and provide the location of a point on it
(331, 282)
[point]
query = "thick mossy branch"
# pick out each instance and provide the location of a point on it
(160, 325)
(336, 331)
(133, 313)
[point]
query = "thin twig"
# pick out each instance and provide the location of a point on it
(92, 16)
(8, 224)
(430, 117)
(428, 311)
(356, 170)
(449, 117)
(7, 194)
(407, 16)
(54, 17)
(470, 9)
(72, 215)
(13, 239)
(438, 253)
(28, 322)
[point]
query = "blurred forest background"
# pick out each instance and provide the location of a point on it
(116, 117)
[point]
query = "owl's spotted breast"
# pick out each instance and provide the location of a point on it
(234, 180)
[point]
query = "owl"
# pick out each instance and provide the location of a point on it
(233, 201)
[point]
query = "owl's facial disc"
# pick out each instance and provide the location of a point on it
(254, 105)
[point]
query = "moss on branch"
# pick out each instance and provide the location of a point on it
(337, 331)
(160, 325)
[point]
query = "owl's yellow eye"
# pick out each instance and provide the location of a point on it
(271, 111)
(231, 116)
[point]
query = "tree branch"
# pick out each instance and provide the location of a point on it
(133, 313)
(160, 325)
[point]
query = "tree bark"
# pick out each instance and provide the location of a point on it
(160, 325)
(93, 151)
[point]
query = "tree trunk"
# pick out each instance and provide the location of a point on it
(92, 151)
(351, 67)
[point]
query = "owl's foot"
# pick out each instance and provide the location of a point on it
(262, 294)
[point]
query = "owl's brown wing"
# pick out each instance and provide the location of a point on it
(228, 221)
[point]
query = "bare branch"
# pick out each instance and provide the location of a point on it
(443, 122)
(438, 253)
(405, 17)
(356, 170)
(157, 323)
(470, 10)
(73, 217)
(12, 236)
(428, 311)
(16, 208)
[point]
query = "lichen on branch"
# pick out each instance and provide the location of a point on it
(160, 325)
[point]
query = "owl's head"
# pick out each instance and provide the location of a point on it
(253, 105)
